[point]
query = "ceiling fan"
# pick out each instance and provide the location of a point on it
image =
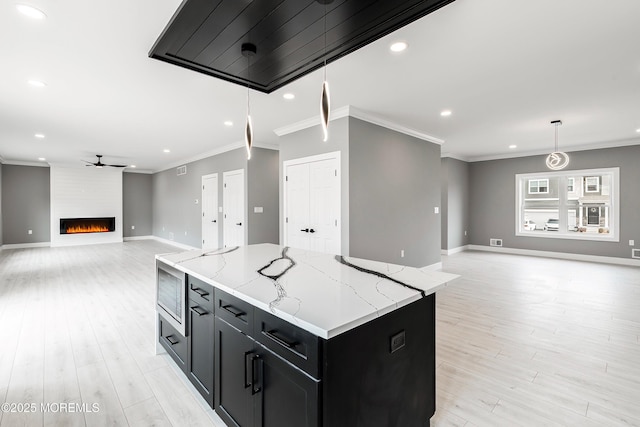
(99, 163)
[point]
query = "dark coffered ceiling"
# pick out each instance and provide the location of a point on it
(207, 35)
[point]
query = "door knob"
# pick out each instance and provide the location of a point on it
(311, 230)
(239, 223)
(214, 221)
(306, 230)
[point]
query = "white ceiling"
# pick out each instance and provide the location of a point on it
(505, 68)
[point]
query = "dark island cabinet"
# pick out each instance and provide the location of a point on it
(200, 323)
(254, 386)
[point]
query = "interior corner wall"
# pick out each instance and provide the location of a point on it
(455, 203)
(492, 201)
(26, 204)
(394, 186)
(137, 204)
(176, 216)
(308, 142)
(262, 191)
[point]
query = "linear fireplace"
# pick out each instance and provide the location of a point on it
(87, 225)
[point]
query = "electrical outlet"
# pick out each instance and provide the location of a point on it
(220, 209)
(402, 253)
(30, 232)
(465, 232)
(197, 201)
(632, 243)
(436, 210)
(133, 227)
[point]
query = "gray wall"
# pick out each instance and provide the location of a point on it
(492, 201)
(137, 204)
(0, 204)
(177, 217)
(25, 204)
(455, 203)
(262, 186)
(394, 185)
(308, 142)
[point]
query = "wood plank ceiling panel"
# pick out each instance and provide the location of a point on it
(207, 35)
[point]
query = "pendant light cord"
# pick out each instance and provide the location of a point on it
(556, 150)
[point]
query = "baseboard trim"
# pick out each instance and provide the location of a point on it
(433, 267)
(454, 250)
(558, 255)
(149, 237)
(172, 243)
(26, 245)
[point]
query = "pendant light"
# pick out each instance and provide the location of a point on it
(248, 50)
(558, 159)
(325, 99)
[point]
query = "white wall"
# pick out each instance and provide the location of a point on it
(85, 192)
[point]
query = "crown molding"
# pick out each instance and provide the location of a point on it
(214, 152)
(570, 149)
(351, 111)
(21, 163)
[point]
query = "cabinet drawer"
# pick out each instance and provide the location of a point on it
(290, 342)
(236, 312)
(200, 292)
(173, 342)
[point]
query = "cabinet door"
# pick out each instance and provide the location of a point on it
(287, 396)
(233, 373)
(201, 349)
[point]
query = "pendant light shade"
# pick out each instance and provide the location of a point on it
(248, 50)
(325, 108)
(558, 159)
(248, 136)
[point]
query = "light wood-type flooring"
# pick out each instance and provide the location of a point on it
(520, 341)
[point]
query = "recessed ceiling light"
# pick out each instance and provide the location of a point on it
(166, 150)
(30, 11)
(398, 46)
(228, 123)
(288, 96)
(42, 159)
(37, 83)
(512, 146)
(39, 135)
(445, 113)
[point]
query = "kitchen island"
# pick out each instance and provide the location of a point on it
(298, 338)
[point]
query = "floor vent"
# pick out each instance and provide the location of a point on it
(635, 253)
(495, 242)
(181, 170)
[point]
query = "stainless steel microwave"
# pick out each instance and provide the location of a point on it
(171, 296)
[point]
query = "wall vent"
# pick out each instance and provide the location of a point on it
(181, 170)
(495, 242)
(635, 253)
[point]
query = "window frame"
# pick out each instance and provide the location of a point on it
(586, 184)
(522, 189)
(538, 186)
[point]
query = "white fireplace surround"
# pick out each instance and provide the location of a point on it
(84, 193)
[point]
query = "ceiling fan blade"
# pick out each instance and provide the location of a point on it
(90, 163)
(117, 166)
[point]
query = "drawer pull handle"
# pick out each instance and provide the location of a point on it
(200, 292)
(231, 309)
(198, 311)
(171, 340)
(279, 340)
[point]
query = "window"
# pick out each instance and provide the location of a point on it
(592, 184)
(537, 186)
(551, 205)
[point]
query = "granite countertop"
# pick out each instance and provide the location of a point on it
(321, 293)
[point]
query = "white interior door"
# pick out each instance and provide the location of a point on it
(312, 203)
(324, 206)
(297, 209)
(210, 211)
(233, 201)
